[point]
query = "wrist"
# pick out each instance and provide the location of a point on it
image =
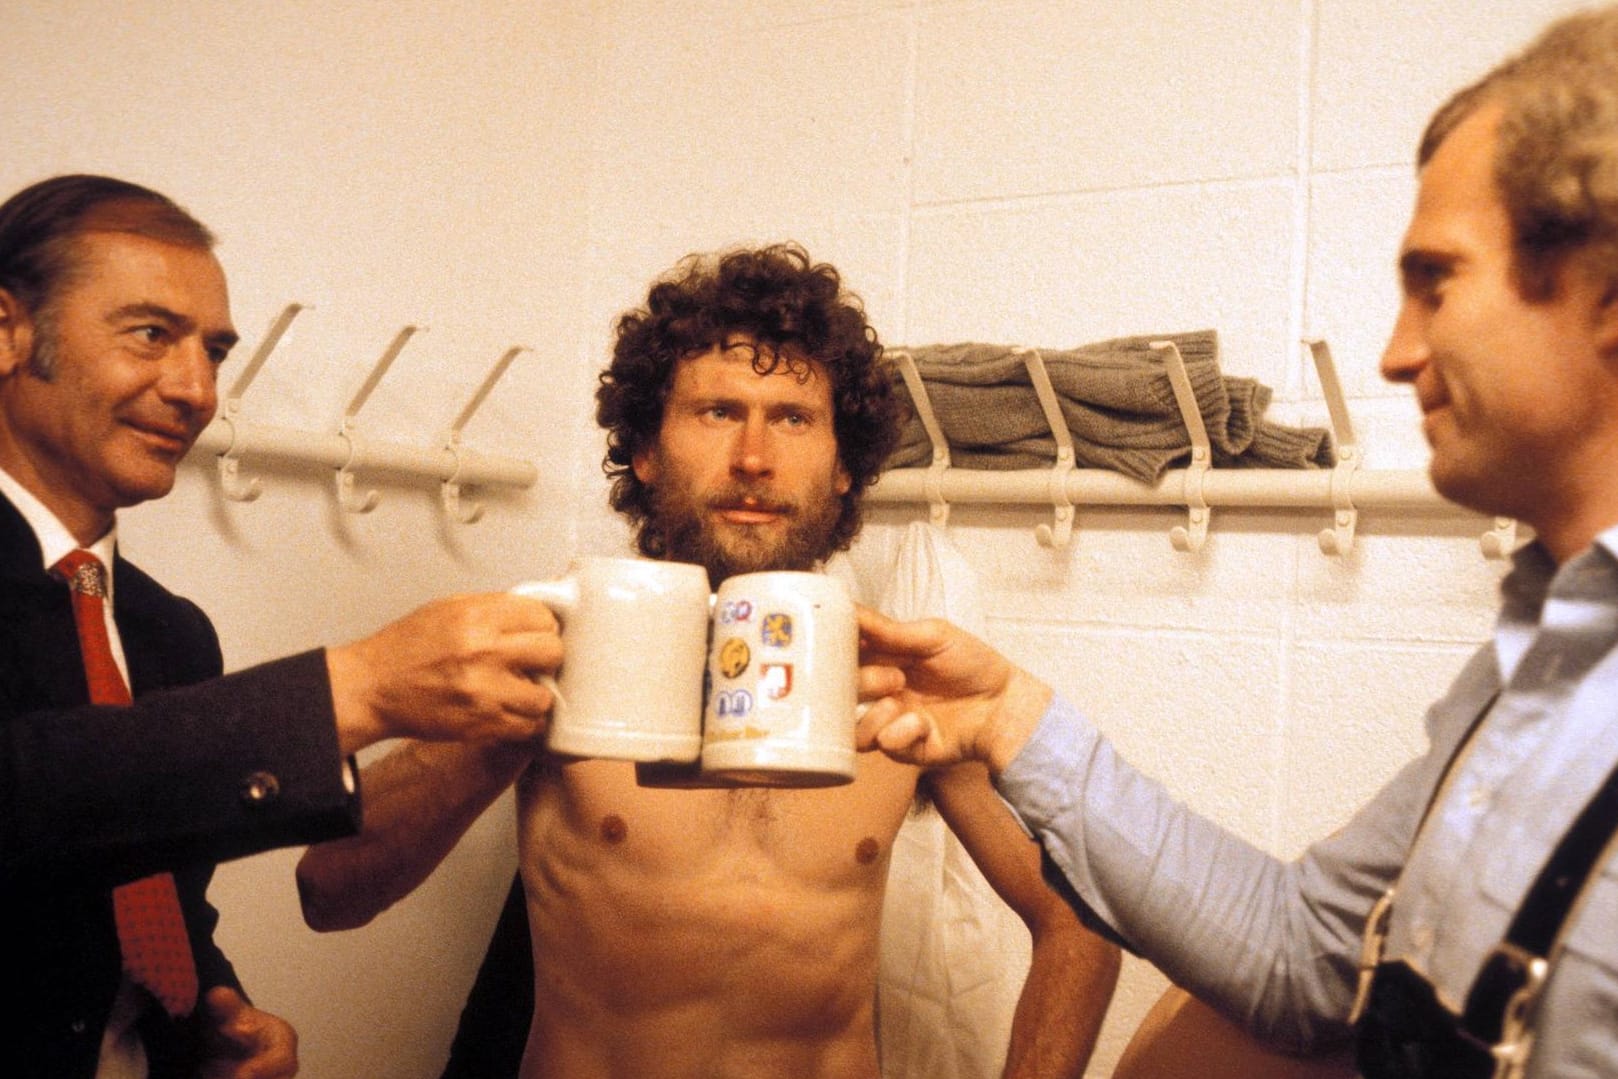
(1022, 704)
(358, 724)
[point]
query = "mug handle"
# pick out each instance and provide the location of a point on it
(556, 691)
(562, 597)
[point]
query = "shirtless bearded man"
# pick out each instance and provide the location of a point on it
(722, 934)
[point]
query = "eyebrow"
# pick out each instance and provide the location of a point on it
(725, 399)
(1420, 266)
(223, 339)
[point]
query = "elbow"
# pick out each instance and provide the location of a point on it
(327, 907)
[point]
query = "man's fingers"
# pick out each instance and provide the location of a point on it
(907, 738)
(880, 634)
(510, 611)
(873, 716)
(887, 725)
(880, 681)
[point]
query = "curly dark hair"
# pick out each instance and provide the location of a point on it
(797, 310)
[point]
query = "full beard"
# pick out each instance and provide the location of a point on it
(691, 534)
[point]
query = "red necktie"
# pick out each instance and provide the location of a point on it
(151, 928)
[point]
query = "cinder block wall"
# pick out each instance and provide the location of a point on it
(1042, 173)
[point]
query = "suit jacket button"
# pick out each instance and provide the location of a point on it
(260, 789)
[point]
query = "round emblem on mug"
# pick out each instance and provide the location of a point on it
(733, 657)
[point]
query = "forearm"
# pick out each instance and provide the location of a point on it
(419, 801)
(221, 769)
(1058, 1017)
(1271, 942)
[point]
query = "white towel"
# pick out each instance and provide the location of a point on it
(954, 956)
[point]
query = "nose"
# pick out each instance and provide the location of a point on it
(753, 453)
(1407, 350)
(190, 378)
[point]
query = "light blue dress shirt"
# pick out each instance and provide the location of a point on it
(1276, 944)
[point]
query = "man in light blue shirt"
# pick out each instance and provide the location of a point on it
(1508, 333)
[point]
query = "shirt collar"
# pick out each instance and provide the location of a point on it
(54, 538)
(1534, 577)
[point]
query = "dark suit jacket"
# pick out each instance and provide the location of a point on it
(91, 796)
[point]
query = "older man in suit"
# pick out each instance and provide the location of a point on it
(127, 765)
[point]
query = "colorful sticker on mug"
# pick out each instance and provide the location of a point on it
(733, 704)
(777, 630)
(736, 610)
(734, 656)
(774, 680)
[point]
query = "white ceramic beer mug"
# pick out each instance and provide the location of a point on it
(783, 682)
(634, 641)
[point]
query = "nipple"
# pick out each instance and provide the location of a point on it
(866, 850)
(613, 829)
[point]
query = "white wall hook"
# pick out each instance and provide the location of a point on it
(466, 512)
(1189, 537)
(347, 498)
(1501, 540)
(1338, 540)
(1194, 533)
(1059, 533)
(350, 500)
(937, 507)
(239, 488)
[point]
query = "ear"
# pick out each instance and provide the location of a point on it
(16, 334)
(644, 462)
(843, 481)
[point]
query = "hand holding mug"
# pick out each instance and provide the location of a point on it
(959, 698)
(458, 669)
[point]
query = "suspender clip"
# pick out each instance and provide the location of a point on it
(1502, 1002)
(1376, 932)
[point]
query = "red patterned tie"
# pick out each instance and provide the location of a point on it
(151, 928)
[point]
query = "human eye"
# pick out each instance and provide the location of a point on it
(218, 347)
(1424, 278)
(150, 338)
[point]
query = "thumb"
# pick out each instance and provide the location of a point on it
(228, 1014)
(224, 1003)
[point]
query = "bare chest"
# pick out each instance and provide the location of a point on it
(592, 814)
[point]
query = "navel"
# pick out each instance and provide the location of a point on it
(613, 829)
(866, 850)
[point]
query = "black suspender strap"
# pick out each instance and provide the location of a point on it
(1518, 962)
(1376, 922)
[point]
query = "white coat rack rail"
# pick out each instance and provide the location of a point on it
(232, 438)
(1344, 490)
